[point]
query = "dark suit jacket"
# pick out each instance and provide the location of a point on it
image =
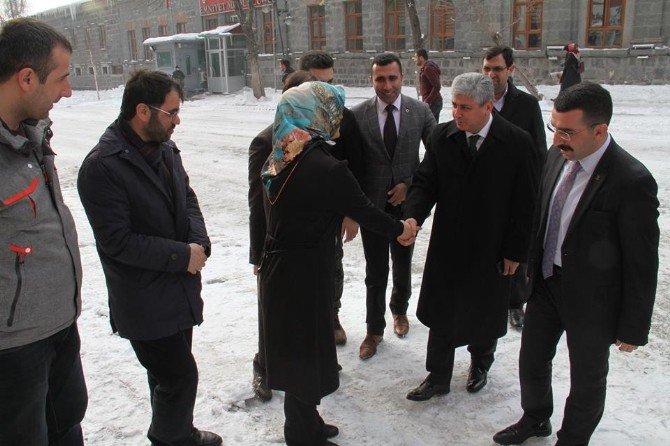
(382, 172)
(259, 150)
(610, 252)
(483, 213)
(523, 110)
(142, 231)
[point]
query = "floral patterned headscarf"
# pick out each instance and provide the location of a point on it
(309, 111)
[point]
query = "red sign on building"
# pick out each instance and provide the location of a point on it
(209, 7)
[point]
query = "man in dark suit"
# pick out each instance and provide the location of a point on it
(392, 126)
(523, 110)
(479, 171)
(152, 241)
(348, 147)
(593, 263)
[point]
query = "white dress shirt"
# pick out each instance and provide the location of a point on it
(582, 178)
(500, 103)
(482, 133)
(381, 114)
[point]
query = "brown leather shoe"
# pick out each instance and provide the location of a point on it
(369, 346)
(338, 331)
(400, 325)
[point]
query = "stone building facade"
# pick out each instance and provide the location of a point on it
(621, 41)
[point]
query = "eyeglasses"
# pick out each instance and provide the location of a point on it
(172, 115)
(494, 69)
(564, 135)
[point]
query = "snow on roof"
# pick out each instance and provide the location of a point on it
(220, 31)
(185, 37)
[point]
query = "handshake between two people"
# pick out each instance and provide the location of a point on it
(409, 233)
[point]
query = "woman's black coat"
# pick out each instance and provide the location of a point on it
(310, 198)
(570, 74)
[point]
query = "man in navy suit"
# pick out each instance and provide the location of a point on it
(593, 266)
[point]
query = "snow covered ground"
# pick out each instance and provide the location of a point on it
(370, 407)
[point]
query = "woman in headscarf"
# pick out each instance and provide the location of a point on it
(310, 192)
(572, 67)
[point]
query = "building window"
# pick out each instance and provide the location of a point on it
(102, 36)
(117, 69)
(353, 25)
(442, 25)
(91, 71)
(527, 19)
(212, 23)
(181, 27)
(605, 25)
(105, 68)
(162, 30)
(268, 32)
(317, 27)
(146, 33)
(394, 25)
(77, 71)
(132, 44)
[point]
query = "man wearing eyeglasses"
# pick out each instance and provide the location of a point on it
(523, 110)
(593, 263)
(152, 242)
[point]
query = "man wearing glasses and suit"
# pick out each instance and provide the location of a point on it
(593, 266)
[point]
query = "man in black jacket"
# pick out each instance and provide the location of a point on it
(523, 110)
(593, 264)
(152, 242)
(348, 147)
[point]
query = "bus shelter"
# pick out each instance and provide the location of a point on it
(225, 49)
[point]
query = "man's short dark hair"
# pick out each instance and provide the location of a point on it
(296, 78)
(316, 59)
(386, 59)
(147, 87)
(422, 53)
(27, 43)
(285, 62)
(591, 98)
(507, 54)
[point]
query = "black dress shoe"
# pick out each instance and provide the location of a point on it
(476, 379)
(330, 431)
(516, 317)
(260, 386)
(427, 390)
(204, 438)
(520, 432)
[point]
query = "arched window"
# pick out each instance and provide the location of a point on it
(442, 25)
(605, 25)
(395, 25)
(527, 29)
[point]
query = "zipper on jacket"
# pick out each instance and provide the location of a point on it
(21, 253)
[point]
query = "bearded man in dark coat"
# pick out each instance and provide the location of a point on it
(479, 170)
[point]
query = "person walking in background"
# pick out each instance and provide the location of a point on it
(309, 191)
(259, 207)
(179, 76)
(573, 66)
(523, 110)
(392, 126)
(479, 173)
(349, 147)
(151, 238)
(43, 395)
(429, 82)
(593, 263)
(286, 69)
